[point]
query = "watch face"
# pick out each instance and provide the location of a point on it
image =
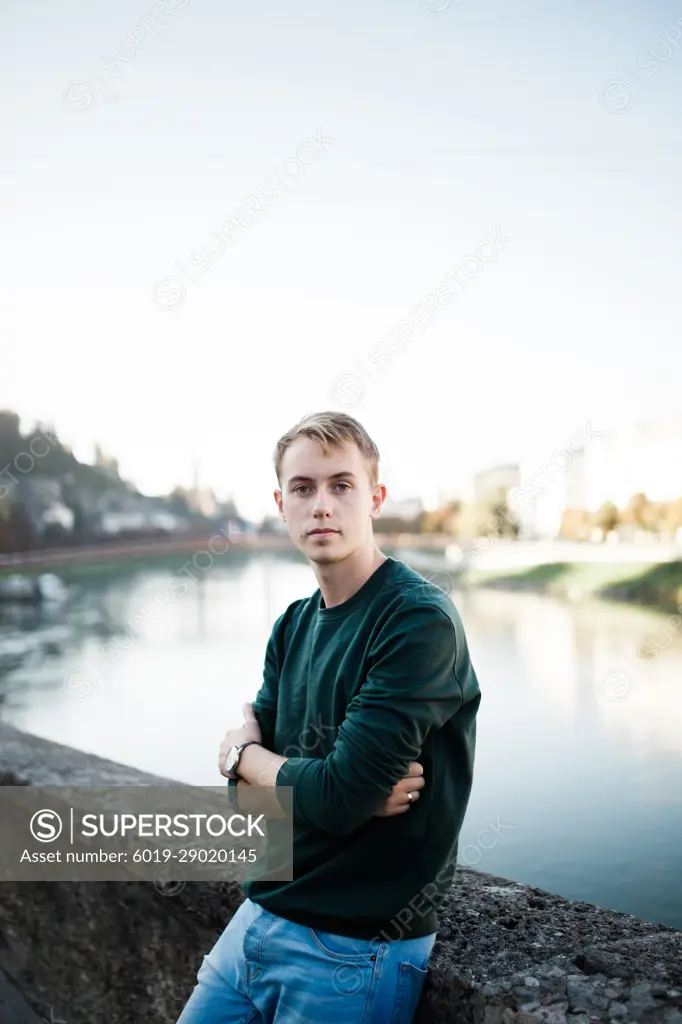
(231, 759)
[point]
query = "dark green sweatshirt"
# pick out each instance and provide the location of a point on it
(351, 694)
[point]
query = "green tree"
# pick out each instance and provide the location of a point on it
(635, 512)
(10, 437)
(606, 517)
(443, 520)
(673, 515)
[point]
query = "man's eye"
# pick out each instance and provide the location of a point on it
(302, 487)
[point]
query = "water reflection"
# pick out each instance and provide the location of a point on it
(578, 785)
(576, 766)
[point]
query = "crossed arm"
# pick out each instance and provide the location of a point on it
(411, 689)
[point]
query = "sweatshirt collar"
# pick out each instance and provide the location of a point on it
(367, 591)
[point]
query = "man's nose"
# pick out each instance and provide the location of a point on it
(322, 505)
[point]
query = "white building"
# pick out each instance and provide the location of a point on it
(495, 483)
(547, 491)
(59, 514)
(409, 509)
(646, 457)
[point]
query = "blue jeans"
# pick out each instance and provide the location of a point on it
(265, 969)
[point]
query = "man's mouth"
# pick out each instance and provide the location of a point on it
(318, 532)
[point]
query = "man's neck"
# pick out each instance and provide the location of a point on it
(339, 581)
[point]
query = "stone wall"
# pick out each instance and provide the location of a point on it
(123, 953)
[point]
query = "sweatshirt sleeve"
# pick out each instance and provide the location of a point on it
(410, 689)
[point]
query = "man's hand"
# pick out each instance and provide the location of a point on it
(397, 802)
(249, 731)
(250, 799)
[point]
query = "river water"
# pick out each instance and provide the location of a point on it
(578, 775)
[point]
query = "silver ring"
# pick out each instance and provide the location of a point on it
(409, 797)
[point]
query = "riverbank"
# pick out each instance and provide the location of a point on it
(648, 575)
(98, 556)
(506, 953)
(658, 585)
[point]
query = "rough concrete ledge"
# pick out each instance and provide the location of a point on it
(124, 953)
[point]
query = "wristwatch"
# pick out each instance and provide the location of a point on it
(232, 760)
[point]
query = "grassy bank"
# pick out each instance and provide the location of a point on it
(658, 584)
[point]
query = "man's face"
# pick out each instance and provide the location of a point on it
(327, 492)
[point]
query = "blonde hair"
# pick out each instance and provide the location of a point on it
(330, 428)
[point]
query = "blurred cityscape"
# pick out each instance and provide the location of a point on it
(613, 487)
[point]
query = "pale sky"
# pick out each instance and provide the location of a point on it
(129, 145)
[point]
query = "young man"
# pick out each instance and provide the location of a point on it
(376, 665)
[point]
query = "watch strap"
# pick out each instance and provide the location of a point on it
(242, 747)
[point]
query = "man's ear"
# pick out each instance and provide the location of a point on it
(378, 499)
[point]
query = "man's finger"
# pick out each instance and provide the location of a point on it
(411, 784)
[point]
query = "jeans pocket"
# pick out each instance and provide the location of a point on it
(342, 947)
(408, 992)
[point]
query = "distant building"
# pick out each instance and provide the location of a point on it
(119, 512)
(546, 492)
(43, 504)
(113, 523)
(239, 528)
(644, 458)
(58, 514)
(162, 519)
(494, 484)
(409, 509)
